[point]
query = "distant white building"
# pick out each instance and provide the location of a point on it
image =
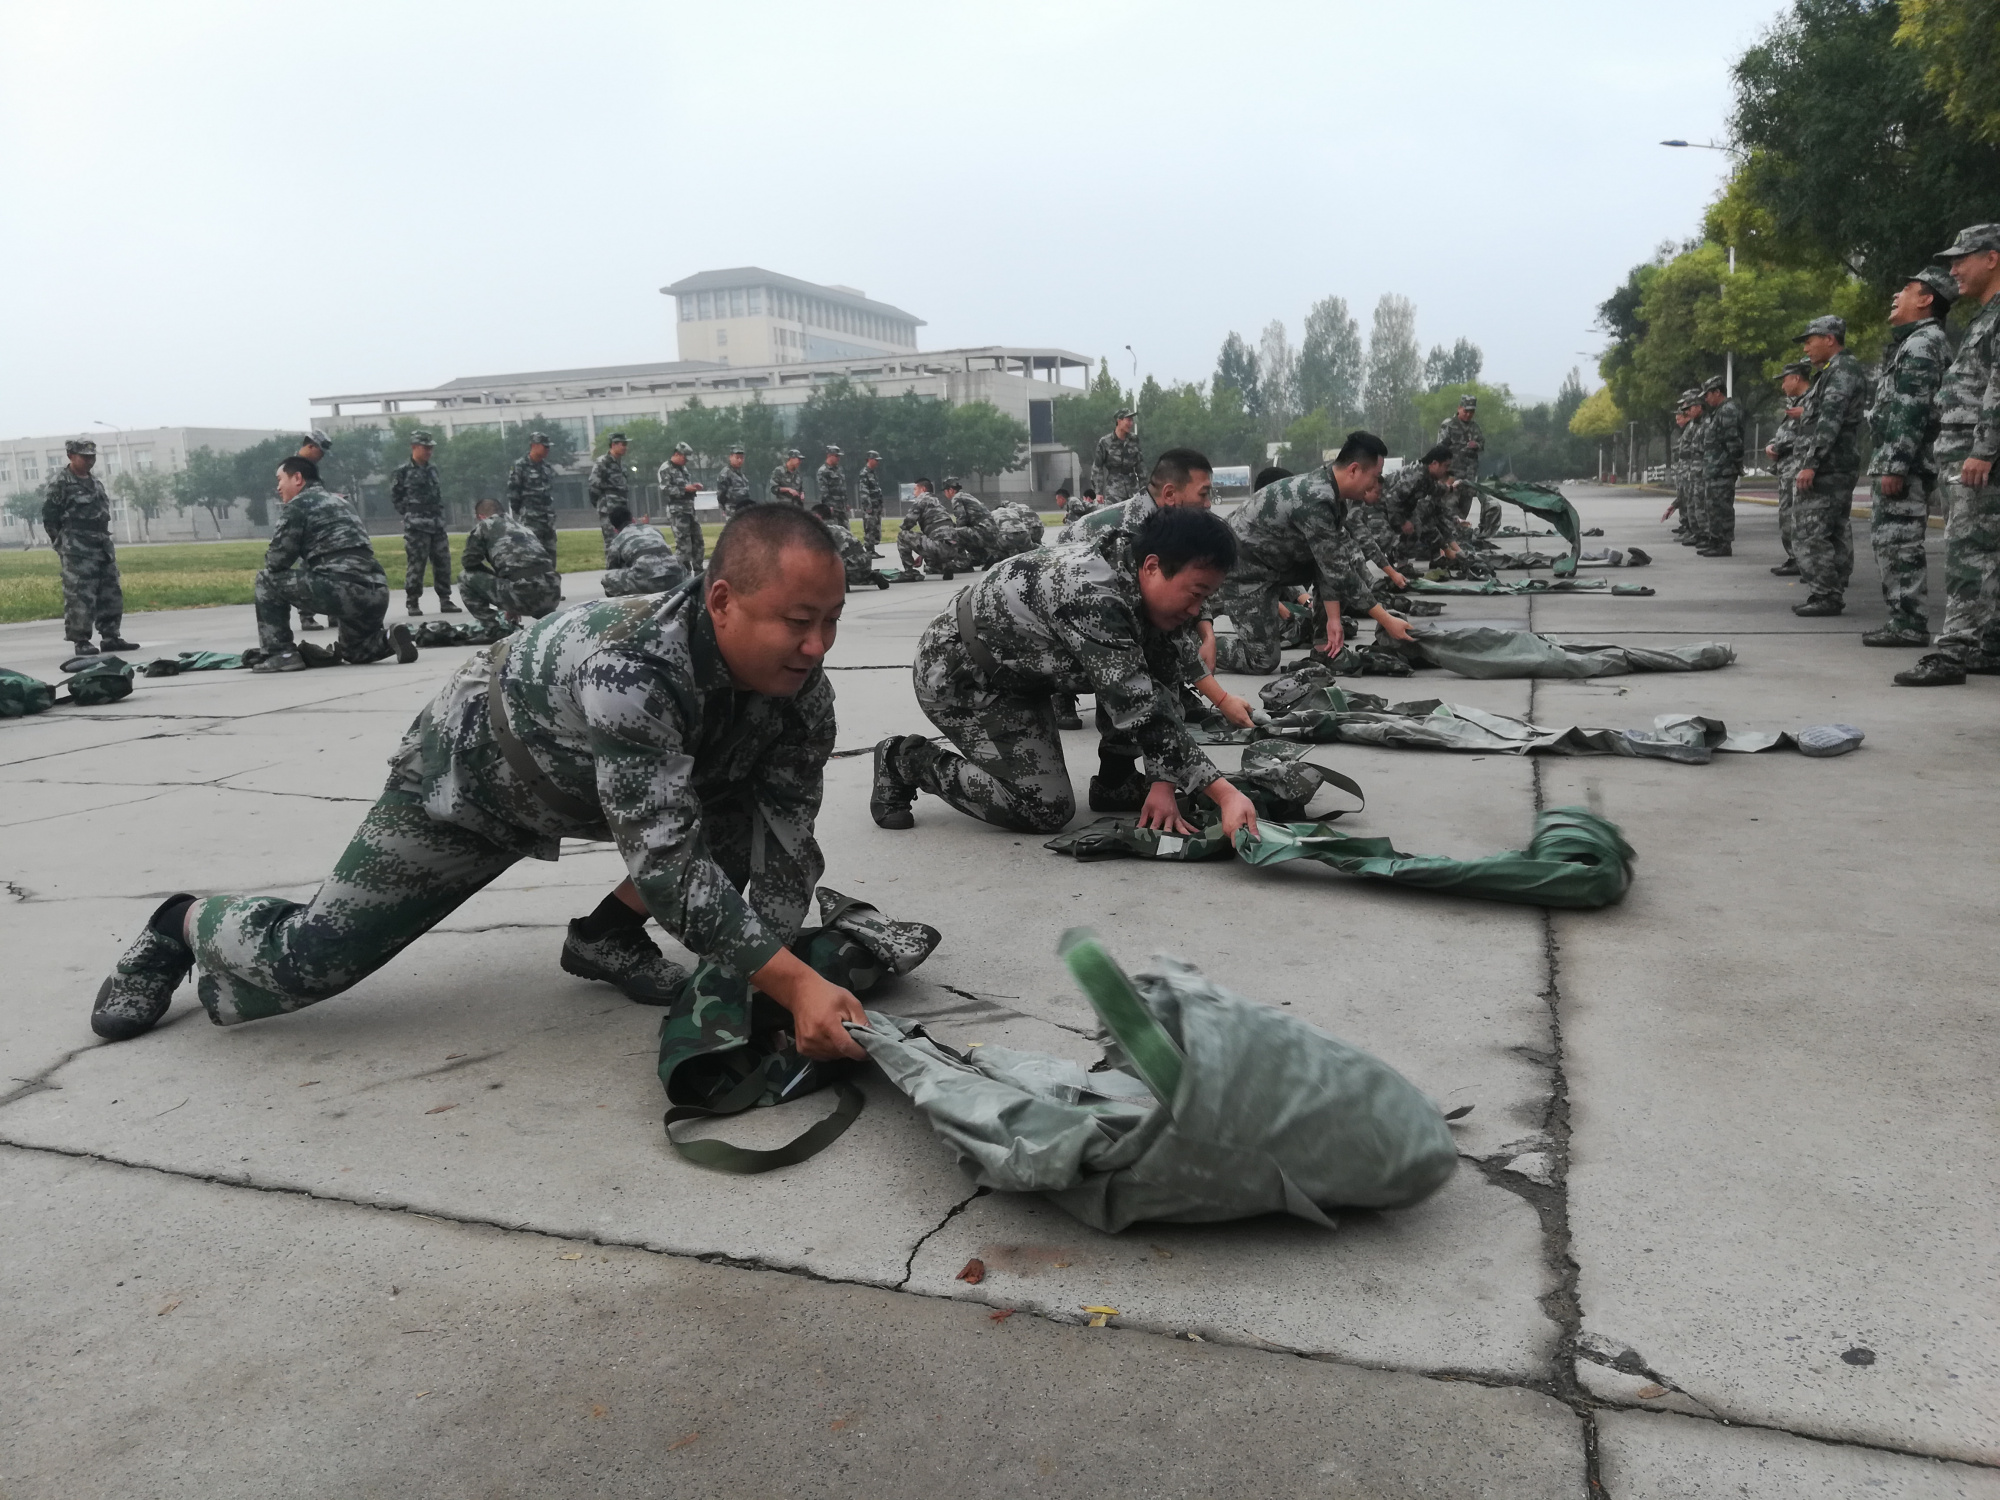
(750, 316)
(29, 463)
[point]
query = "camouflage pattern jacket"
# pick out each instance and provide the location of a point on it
(1969, 400)
(503, 546)
(869, 487)
(1830, 431)
(674, 480)
(969, 512)
(732, 490)
(1018, 523)
(830, 485)
(1117, 472)
(531, 489)
(1722, 443)
(1299, 530)
(75, 503)
(608, 483)
(1070, 620)
(634, 544)
(1784, 447)
(788, 487)
(1904, 418)
(1125, 515)
(1466, 442)
(417, 494)
(1077, 508)
(627, 707)
(321, 530)
(930, 515)
(1419, 516)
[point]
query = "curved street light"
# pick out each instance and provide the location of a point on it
(1729, 356)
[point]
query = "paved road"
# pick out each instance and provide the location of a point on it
(1725, 1223)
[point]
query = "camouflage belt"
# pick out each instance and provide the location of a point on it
(523, 764)
(968, 633)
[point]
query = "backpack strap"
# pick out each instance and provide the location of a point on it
(721, 1156)
(518, 759)
(968, 632)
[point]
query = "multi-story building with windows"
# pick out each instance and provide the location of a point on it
(750, 316)
(29, 463)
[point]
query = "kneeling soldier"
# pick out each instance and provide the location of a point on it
(692, 731)
(929, 536)
(505, 571)
(1116, 618)
(1020, 529)
(638, 558)
(320, 560)
(854, 554)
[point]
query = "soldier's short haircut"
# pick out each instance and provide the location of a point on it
(619, 516)
(1178, 466)
(1090, 492)
(305, 468)
(922, 479)
(1269, 476)
(486, 507)
(1359, 448)
(746, 554)
(1181, 535)
(1439, 454)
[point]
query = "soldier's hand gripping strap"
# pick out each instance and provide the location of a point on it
(518, 759)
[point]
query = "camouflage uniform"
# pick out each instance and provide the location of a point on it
(1296, 531)
(609, 486)
(1694, 465)
(678, 503)
(76, 513)
(1418, 516)
(641, 561)
(870, 506)
(1020, 529)
(929, 537)
(1052, 621)
(1076, 508)
(1785, 464)
(1904, 421)
(531, 497)
(977, 529)
(1969, 427)
(1830, 445)
(320, 561)
(788, 487)
(830, 485)
(855, 558)
(419, 500)
(1118, 471)
(1125, 515)
(505, 570)
(1721, 466)
(1467, 443)
(733, 492)
(628, 712)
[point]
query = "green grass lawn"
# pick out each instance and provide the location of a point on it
(189, 575)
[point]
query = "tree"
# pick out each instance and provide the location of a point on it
(356, 457)
(1309, 438)
(1278, 379)
(1499, 419)
(1081, 420)
(1395, 375)
(207, 482)
(1598, 416)
(1236, 366)
(1958, 42)
(981, 439)
(1458, 365)
(145, 491)
(26, 505)
(1330, 364)
(256, 470)
(1858, 162)
(1214, 422)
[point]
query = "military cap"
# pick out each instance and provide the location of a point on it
(1118, 416)
(81, 445)
(1690, 396)
(1939, 284)
(951, 482)
(1971, 240)
(1713, 383)
(833, 450)
(874, 455)
(684, 448)
(318, 439)
(538, 437)
(422, 440)
(616, 437)
(735, 447)
(1469, 401)
(1799, 367)
(793, 453)
(1832, 325)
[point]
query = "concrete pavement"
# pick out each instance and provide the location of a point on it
(1747, 1115)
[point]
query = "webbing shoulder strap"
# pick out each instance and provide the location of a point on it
(518, 759)
(741, 1160)
(968, 632)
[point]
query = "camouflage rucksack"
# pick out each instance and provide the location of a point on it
(105, 680)
(21, 695)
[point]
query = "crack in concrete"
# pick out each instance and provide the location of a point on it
(38, 1083)
(910, 1264)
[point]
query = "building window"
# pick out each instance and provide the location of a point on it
(736, 302)
(142, 460)
(687, 309)
(29, 473)
(1041, 421)
(6, 475)
(756, 298)
(707, 307)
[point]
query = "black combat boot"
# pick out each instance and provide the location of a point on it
(1819, 605)
(618, 952)
(891, 796)
(1934, 670)
(1898, 633)
(404, 643)
(414, 606)
(142, 987)
(1789, 568)
(445, 606)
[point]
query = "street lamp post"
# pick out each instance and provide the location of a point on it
(1729, 356)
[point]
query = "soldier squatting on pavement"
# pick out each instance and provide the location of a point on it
(320, 559)
(693, 731)
(610, 485)
(929, 536)
(639, 560)
(76, 513)
(1904, 420)
(505, 572)
(419, 500)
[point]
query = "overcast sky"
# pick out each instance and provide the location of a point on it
(216, 211)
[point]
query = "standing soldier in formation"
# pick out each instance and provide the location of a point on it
(831, 486)
(869, 483)
(76, 513)
(315, 445)
(610, 486)
(1694, 468)
(787, 488)
(419, 500)
(1829, 467)
(1784, 451)
(677, 491)
(1904, 420)
(732, 490)
(1119, 469)
(1968, 442)
(531, 492)
(1461, 433)
(1722, 463)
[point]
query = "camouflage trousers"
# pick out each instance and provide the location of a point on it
(489, 596)
(1251, 602)
(1694, 509)
(654, 575)
(1823, 534)
(1788, 501)
(426, 543)
(1013, 543)
(871, 523)
(543, 524)
(689, 546)
(1897, 530)
(1718, 500)
(354, 602)
(854, 557)
(606, 529)
(943, 550)
(1971, 633)
(92, 594)
(1009, 769)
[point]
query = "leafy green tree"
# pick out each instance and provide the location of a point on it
(257, 475)
(982, 440)
(1081, 420)
(1958, 42)
(1237, 366)
(207, 482)
(1545, 448)
(1212, 421)
(1331, 369)
(1459, 365)
(1598, 416)
(1395, 375)
(26, 505)
(357, 457)
(1858, 162)
(1499, 418)
(1308, 439)
(145, 491)
(915, 439)
(1277, 379)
